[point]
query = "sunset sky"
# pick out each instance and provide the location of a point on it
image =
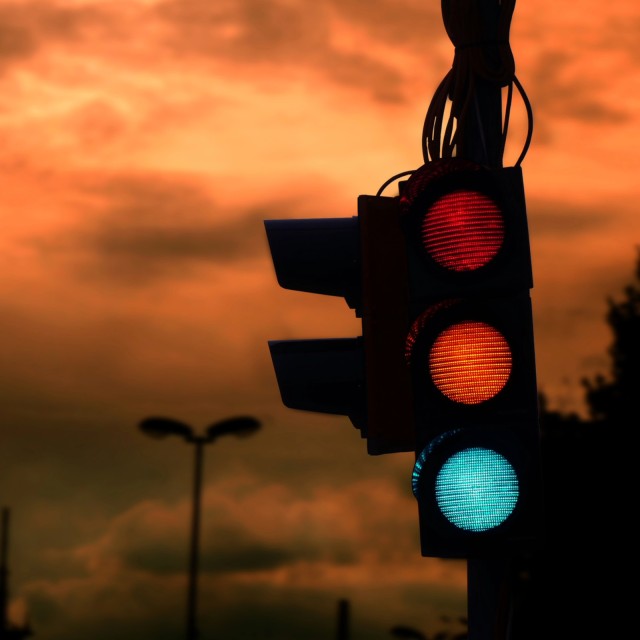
(142, 144)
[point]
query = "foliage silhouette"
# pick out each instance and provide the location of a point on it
(575, 578)
(613, 399)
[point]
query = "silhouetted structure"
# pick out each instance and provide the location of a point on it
(8, 631)
(342, 627)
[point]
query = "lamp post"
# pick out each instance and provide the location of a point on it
(158, 427)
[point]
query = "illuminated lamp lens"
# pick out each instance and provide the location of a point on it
(476, 489)
(470, 362)
(463, 230)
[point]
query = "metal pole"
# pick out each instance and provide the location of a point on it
(161, 427)
(192, 630)
(488, 579)
(342, 631)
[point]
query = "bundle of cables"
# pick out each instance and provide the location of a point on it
(479, 31)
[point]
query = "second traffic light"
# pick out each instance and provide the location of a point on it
(361, 259)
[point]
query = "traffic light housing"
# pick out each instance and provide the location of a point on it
(319, 256)
(445, 366)
(361, 259)
(470, 352)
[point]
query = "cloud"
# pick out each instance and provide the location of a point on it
(27, 27)
(555, 219)
(560, 90)
(338, 41)
(261, 542)
(15, 39)
(253, 527)
(132, 230)
(270, 42)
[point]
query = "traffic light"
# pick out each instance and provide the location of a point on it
(361, 259)
(445, 366)
(470, 351)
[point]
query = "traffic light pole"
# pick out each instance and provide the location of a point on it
(489, 579)
(488, 593)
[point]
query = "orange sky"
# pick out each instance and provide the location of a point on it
(143, 144)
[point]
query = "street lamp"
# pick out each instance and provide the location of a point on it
(158, 427)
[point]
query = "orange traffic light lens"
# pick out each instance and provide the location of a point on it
(470, 362)
(463, 230)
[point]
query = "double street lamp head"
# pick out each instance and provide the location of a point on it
(163, 427)
(239, 426)
(160, 427)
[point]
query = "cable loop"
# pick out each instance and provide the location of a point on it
(479, 31)
(482, 54)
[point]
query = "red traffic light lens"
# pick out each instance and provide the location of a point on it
(463, 230)
(470, 362)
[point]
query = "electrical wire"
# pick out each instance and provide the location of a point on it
(482, 58)
(529, 109)
(393, 179)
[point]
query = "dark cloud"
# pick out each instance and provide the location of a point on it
(547, 218)
(16, 41)
(298, 35)
(27, 26)
(137, 229)
(339, 41)
(385, 83)
(238, 555)
(45, 608)
(559, 93)
(622, 33)
(412, 24)
(249, 29)
(276, 38)
(177, 242)
(251, 558)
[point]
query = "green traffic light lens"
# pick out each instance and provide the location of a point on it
(476, 489)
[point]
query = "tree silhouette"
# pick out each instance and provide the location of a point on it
(613, 399)
(575, 577)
